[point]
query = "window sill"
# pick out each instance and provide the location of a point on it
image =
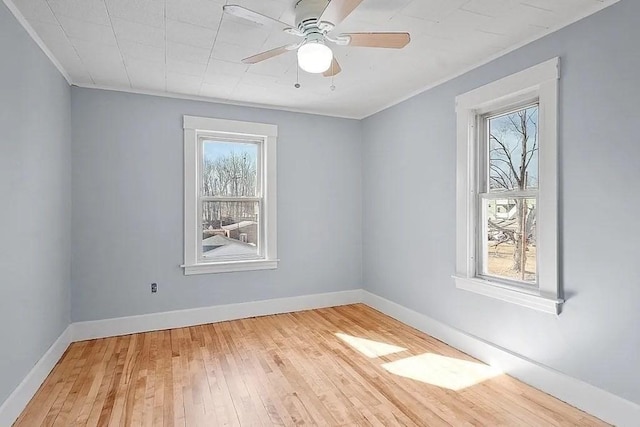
(230, 266)
(536, 301)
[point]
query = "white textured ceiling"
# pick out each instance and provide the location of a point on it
(188, 47)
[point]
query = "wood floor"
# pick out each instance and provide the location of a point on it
(342, 366)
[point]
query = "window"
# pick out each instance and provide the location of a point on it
(507, 189)
(508, 195)
(230, 195)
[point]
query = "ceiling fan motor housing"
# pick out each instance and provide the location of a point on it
(307, 14)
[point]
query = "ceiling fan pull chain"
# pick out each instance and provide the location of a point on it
(333, 74)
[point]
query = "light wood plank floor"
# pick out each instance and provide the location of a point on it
(342, 366)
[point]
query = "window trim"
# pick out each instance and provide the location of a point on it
(266, 135)
(538, 82)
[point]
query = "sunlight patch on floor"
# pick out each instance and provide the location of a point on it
(370, 348)
(447, 372)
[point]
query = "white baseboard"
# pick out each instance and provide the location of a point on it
(199, 316)
(595, 401)
(16, 402)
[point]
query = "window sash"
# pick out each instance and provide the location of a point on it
(229, 199)
(482, 246)
(510, 194)
(222, 137)
(260, 249)
(258, 198)
(484, 192)
(482, 126)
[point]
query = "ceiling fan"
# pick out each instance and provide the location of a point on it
(315, 20)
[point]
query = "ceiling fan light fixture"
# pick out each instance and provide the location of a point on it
(315, 57)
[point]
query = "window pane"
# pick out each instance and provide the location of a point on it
(229, 169)
(513, 150)
(230, 230)
(509, 248)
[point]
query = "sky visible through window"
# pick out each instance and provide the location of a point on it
(217, 149)
(506, 144)
(229, 168)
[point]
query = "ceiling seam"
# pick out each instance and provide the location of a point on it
(69, 40)
(113, 30)
(215, 39)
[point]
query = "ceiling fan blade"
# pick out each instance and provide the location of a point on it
(250, 15)
(337, 10)
(333, 69)
(385, 40)
(268, 54)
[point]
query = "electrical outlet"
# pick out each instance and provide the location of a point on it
(154, 288)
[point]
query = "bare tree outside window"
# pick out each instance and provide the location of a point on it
(229, 170)
(510, 195)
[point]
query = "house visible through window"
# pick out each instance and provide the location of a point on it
(229, 196)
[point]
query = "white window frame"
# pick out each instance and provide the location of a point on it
(195, 128)
(540, 83)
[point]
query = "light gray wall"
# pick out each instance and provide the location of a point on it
(35, 171)
(128, 207)
(126, 189)
(409, 227)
